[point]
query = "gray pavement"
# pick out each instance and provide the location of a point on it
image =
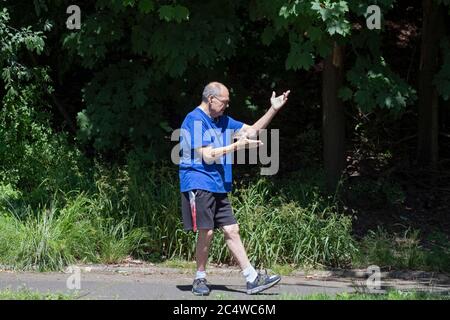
(152, 282)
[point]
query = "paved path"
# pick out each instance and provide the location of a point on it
(137, 282)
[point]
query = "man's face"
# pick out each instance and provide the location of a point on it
(219, 103)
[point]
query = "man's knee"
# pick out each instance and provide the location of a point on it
(231, 231)
(206, 233)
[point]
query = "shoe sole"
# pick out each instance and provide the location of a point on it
(262, 288)
(199, 294)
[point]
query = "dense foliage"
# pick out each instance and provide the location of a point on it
(86, 117)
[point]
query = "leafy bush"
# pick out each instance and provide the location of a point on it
(8, 196)
(375, 193)
(33, 158)
(377, 86)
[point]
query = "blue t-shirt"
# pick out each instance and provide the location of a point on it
(200, 130)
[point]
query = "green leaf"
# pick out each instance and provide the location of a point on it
(314, 33)
(128, 3)
(146, 6)
(170, 13)
(181, 13)
(166, 13)
(323, 48)
(165, 126)
(268, 35)
(316, 6)
(300, 56)
(339, 27)
(345, 93)
(375, 85)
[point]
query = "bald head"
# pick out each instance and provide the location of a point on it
(214, 89)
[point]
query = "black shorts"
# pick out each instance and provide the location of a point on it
(206, 210)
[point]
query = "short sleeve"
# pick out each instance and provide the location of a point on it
(194, 134)
(234, 124)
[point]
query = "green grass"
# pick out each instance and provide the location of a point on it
(274, 230)
(26, 294)
(404, 251)
(391, 295)
(283, 270)
(179, 264)
(223, 296)
(277, 230)
(134, 210)
(52, 238)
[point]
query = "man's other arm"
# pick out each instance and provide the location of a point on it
(210, 154)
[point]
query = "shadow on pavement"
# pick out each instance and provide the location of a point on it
(221, 288)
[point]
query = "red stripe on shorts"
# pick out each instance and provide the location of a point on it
(193, 211)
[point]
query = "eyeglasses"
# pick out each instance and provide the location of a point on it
(226, 102)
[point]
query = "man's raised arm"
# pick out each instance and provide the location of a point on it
(275, 105)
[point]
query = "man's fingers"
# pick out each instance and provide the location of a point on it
(286, 94)
(256, 144)
(279, 101)
(252, 142)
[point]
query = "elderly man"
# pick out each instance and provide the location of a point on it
(205, 179)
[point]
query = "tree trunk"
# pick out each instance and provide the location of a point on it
(333, 121)
(432, 31)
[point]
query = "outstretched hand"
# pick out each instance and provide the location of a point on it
(246, 143)
(278, 102)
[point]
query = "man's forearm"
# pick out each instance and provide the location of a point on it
(212, 154)
(264, 121)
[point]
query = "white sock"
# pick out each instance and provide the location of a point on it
(200, 275)
(250, 274)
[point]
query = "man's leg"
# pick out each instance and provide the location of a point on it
(255, 282)
(202, 249)
(199, 287)
(198, 207)
(234, 243)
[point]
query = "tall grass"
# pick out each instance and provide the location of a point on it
(274, 228)
(149, 197)
(403, 251)
(54, 237)
(134, 209)
(277, 231)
